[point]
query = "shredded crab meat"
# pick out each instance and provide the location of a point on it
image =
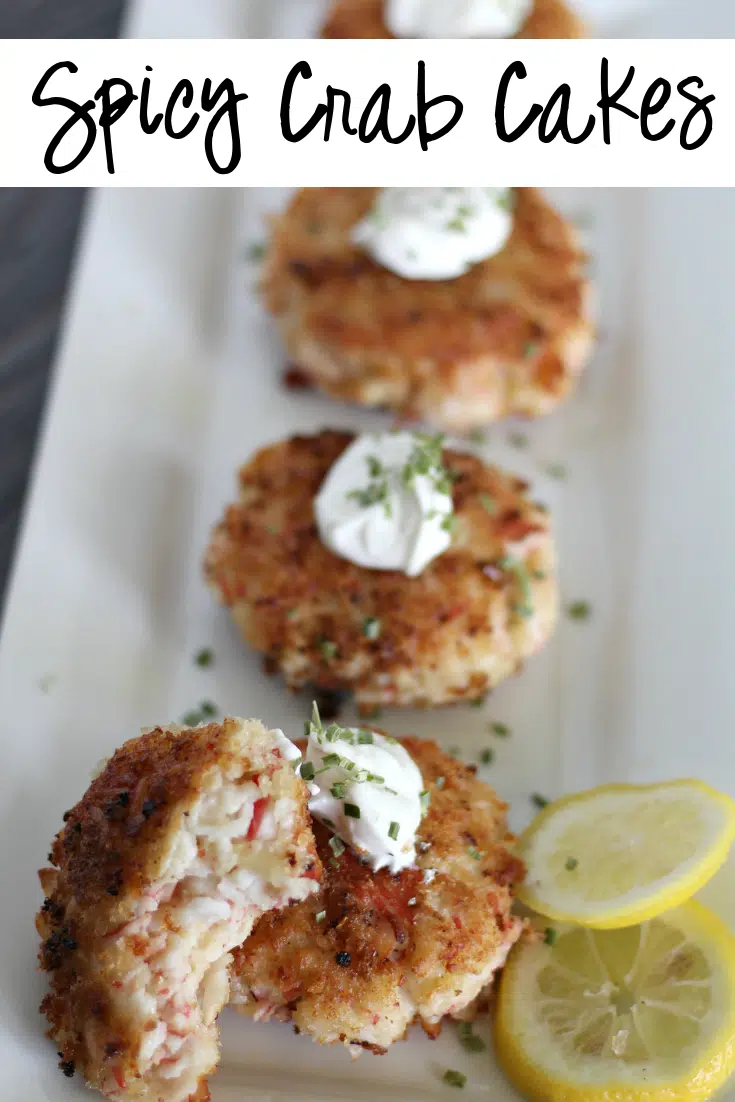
(203, 906)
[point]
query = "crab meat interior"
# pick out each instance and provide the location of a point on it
(210, 893)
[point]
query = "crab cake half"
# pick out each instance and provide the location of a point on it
(373, 952)
(180, 844)
(466, 622)
(508, 337)
(365, 19)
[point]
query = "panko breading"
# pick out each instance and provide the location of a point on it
(364, 19)
(371, 952)
(468, 621)
(509, 337)
(180, 844)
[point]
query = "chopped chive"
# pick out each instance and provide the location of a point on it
(336, 845)
(440, 782)
(365, 738)
(332, 733)
(518, 440)
(502, 730)
(204, 657)
(328, 649)
(488, 504)
(570, 864)
(579, 610)
(425, 800)
(477, 436)
(478, 701)
(539, 575)
(327, 822)
(371, 627)
(330, 760)
(474, 853)
(208, 709)
(352, 811)
(393, 831)
(256, 251)
(338, 790)
(469, 1040)
(449, 523)
(539, 801)
(320, 916)
(520, 570)
(454, 1078)
(487, 756)
(191, 719)
(556, 470)
(307, 771)
(334, 862)
(550, 935)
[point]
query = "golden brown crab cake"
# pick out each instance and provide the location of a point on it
(364, 19)
(468, 621)
(180, 844)
(509, 337)
(373, 952)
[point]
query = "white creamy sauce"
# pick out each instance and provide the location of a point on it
(369, 511)
(435, 233)
(456, 18)
(368, 790)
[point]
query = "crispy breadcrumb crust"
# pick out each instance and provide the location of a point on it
(448, 635)
(509, 337)
(111, 851)
(364, 19)
(381, 940)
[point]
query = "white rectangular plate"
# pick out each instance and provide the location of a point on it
(169, 377)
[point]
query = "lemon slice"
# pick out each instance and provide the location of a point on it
(622, 853)
(642, 1014)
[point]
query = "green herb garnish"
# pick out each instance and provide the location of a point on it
(469, 1039)
(550, 935)
(365, 738)
(579, 610)
(352, 811)
(336, 845)
(307, 771)
(425, 800)
(204, 657)
(454, 1078)
(517, 567)
(393, 831)
(570, 864)
(320, 916)
(256, 251)
(518, 440)
(556, 470)
(328, 649)
(487, 756)
(539, 801)
(474, 853)
(500, 729)
(208, 709)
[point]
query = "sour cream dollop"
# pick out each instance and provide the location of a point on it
(377, 510)
(435, 232)
(456, 18)
(368, 790)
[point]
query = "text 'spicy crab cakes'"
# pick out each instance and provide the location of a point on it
(181, 843)
(373, 952)
(466, 622)
(366, 19)
(508, 337)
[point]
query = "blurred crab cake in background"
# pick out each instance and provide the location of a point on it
(385, 566)
(180, 844)
(455, 306)
(413, 917)
(452, 19)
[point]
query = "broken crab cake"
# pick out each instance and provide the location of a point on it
(180, 844)
(373, 952)
(366, 19)
(447, 632)
(453, 306)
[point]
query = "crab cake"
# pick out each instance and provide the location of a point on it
(180, 844)
(364, 19)
(508, 337)
(373, 952)
(466, 622)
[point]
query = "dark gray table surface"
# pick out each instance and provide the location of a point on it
(38, 229)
